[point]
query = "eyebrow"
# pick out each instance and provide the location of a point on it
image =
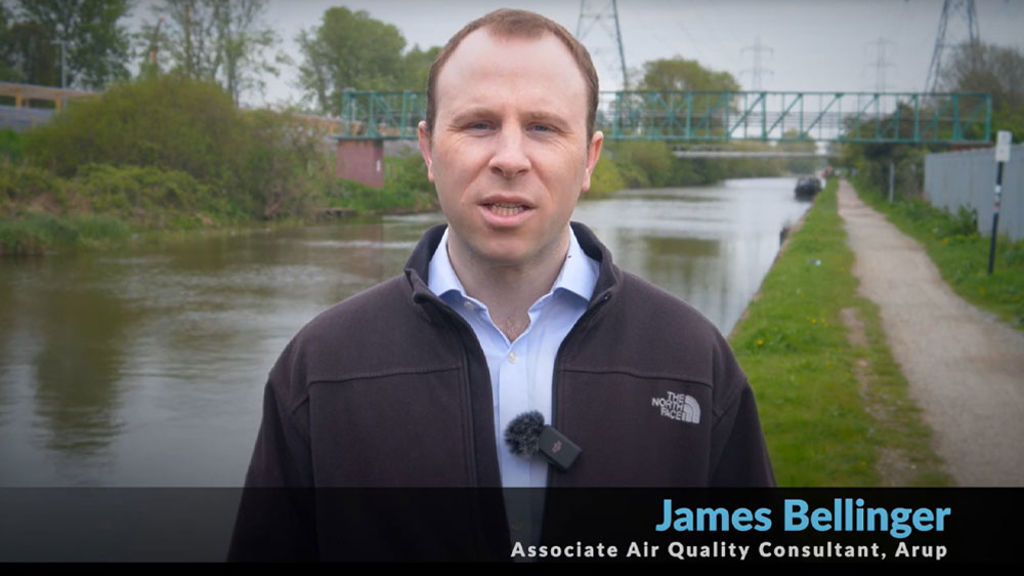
(471, 113)
(548, 118)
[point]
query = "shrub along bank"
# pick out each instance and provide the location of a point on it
(834, 405)
(171, 154)
(652, 164)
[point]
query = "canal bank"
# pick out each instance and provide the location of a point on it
(835, 406)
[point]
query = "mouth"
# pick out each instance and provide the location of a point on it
(505, 210)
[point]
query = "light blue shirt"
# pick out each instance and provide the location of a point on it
(521, 371)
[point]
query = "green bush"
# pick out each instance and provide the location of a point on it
(871, 164)
(11, 144)
(34, 233)
(20, 186)
(165, 121)
(280, 166)
(944, 224)
(605, 180)
(964, 222)
(407, 173)
(652, 164)
(644, 164)
(406, 186)
(150, 197)
(262, 163)
(633, 176)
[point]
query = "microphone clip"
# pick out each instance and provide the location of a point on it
(559, 450)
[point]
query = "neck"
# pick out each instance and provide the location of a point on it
(508, 290)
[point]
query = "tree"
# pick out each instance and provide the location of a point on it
(185, 36)
(350, 50)
(241, 43)
(219, 41)
(997, 70)
(96, 47)
(8, 72)
(680, 74)
(33, 58)
(417, 67)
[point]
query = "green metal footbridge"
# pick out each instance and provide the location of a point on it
(723, 117)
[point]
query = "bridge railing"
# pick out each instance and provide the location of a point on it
(727, 116)
(381, 115)
(789, 116)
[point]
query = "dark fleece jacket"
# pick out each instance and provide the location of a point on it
(391, 389)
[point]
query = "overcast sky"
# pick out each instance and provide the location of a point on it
(806, 45)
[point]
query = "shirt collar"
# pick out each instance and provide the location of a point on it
(578, 274)
(441, 277)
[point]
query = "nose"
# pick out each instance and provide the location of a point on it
(510, 159)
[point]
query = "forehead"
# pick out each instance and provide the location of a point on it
(486, 69)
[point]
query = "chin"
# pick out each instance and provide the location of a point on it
(503, 254)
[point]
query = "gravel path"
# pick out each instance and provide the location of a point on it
(965, 368)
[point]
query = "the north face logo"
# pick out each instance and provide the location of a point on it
(680, 407)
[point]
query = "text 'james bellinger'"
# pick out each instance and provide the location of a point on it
(845, 515)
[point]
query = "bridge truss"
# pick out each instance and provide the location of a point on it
(680, 117)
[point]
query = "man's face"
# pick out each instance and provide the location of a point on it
(509, 152)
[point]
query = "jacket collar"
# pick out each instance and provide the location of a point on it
(416, 269)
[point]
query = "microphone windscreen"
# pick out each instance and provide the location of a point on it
(523, 433)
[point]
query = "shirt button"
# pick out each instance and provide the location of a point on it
(469, 305)
(512, 357)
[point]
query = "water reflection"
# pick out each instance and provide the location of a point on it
(7, 335)
(710, 246)
(77, 369)
(146, 368)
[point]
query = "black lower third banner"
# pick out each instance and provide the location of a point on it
(780, 526)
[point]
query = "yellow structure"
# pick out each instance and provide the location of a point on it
(25, 93)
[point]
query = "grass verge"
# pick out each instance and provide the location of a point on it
(961, 254)
(834, 404)
(35, 233)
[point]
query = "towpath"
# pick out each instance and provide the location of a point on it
(965, 368)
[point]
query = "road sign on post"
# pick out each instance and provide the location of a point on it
(1003, 140)
(1003, 146)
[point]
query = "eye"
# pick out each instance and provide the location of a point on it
(541, 128)
(479, 126)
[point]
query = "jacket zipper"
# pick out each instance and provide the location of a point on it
(462, 327)
(555, 379)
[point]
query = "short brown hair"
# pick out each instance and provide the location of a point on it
(506, 23)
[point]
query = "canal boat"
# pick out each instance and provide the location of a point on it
(807, 187)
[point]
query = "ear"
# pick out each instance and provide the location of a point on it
(593, 154)
(423, 135)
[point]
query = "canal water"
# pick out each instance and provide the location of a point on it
(146, 367)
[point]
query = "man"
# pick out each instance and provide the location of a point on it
(509, 309)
